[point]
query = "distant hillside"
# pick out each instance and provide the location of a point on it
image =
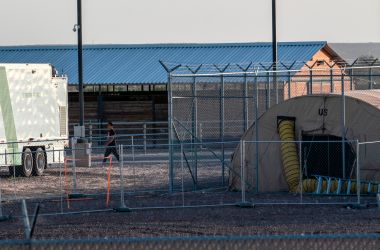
(351, 51)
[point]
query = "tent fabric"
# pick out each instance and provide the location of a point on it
(362, 123)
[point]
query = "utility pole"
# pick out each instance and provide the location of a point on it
(80, 62)
(274, 48)
(274, 34)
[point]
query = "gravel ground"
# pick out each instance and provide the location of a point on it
(201, 221)
(153, 213)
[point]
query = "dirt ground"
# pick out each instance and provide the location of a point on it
(201, 221)
(207, 212)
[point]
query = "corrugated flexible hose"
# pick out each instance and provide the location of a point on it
(291, 166)
(290, 162)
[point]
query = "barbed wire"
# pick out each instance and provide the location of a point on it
(268, 67)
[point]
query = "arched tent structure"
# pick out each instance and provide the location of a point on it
(317, 117)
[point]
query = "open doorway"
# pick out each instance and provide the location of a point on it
(322, 155)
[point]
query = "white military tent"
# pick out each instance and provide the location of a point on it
(314, 115)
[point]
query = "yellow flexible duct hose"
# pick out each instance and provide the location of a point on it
(289, 155)
(291, 167)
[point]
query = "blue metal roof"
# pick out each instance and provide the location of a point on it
(139, 64)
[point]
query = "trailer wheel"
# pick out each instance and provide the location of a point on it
(39, 162)
(27, 163)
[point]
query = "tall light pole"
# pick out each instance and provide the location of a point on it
(274, 48)
(78, 28)
(274, 34)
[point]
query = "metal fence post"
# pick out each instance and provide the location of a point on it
(310, 92)
(144, 134)
(201, 134)
(358, 171)
(331, 80)
(289, 85)
(301, 167)
(182, 177)
(74, 168)
(351, 79)
(133, 169)
(195, 131)
(170, 133)
(221, 115)
(268, 92)
(256, 130)
(60, 179)
(26, 219)
(14, 158)
(243, 202)
(122, 207)
(90, 131)
(133, 147)
(242, 171)
(343, 117)
(245, 103)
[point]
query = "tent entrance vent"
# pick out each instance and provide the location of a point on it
(322, 155)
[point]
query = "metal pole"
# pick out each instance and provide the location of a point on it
(195, 131)
(201, 134)
(257, 132)
(289, 90)
(274, 47)
(343, 126)
(242, 172)
(60, 179)
(74, 168)
(222, 125)
(122, 202)
(170, 133)
(331, 81)
(268, 92)
(274, 34)
(144, 132)
(133, 148)
(171, 170)
(358, 171)
(351, 79)
(182, 177)
(310, 81)
(301, 167)
(245, 104)
(90, 131)
(80, 62)
(370, 78)
(26, 219)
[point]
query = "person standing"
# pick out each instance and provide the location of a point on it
(111, 143)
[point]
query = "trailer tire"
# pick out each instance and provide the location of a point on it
(27, 163)
(39, 162)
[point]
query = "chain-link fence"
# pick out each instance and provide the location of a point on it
(229, 146)
(78, 192)
(272, 174)
(219, 103)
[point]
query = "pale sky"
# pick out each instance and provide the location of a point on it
(25, 22)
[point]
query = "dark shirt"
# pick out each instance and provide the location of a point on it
(110, 133)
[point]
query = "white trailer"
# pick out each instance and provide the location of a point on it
(33, 117)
